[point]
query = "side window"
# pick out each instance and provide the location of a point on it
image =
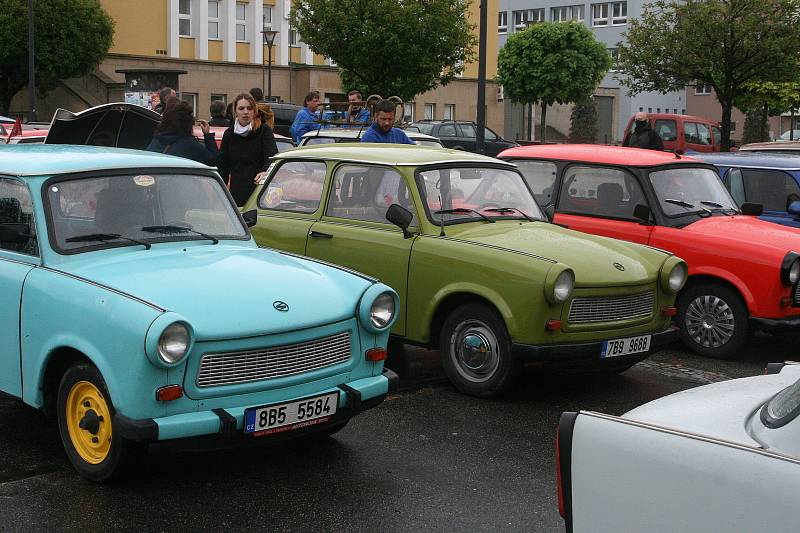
(295, 186)
(318, 140)
(597, 191)
(541, 178)
(717, 135)
(489, 135)
(447, 130)
(667, 129)
(696, 133)
(16, 208)
(703, 134)
(736, 185)
(769, 187)
(467, 130)
(365, 193)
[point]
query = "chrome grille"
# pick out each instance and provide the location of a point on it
(796, 301)
(611, 308)
(270, 363)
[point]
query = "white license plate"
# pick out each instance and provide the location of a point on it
(629, 345)
(299, 414)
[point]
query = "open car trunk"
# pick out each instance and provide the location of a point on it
(117, 124)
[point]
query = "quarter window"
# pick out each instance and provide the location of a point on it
(736, 185)
(365, 193)
(540, 177)
(770, 188)
(296, 186)
(596, 191)
(16, 208)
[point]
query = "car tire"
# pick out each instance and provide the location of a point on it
(713, 320)
(476, 352)
(85, 422)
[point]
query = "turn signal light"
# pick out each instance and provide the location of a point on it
(669, 311)
(377, 354)
(169, 393)
(554, 325)
(786, 301)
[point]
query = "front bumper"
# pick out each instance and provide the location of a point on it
(588, 353)
(776, 324)
(360, 395)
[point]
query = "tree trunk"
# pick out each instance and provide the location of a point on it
(543, 123)
(727, 108)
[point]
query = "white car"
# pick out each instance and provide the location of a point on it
(722, 457)
(343, 135)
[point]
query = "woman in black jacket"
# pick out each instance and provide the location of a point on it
(245, 150)
(174, 135)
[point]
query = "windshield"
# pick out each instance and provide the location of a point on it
(687, 190)
(105, 212)
(471, 193)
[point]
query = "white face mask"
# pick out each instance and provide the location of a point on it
(244, 131)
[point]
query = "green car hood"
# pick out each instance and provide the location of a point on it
(595, 260)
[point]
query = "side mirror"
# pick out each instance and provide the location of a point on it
(250, 217)
(400, 217)
(752, 209)
(794, 208)
(642, 213)
(15, 233)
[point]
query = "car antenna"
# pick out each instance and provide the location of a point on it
(678, 154)
(441, 219)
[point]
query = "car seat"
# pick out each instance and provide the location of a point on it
(609, 198)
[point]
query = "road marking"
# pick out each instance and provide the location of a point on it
(683, 372)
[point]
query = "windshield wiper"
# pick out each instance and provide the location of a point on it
(511, 210)
(730, 211)
(101, 237)
(178, 229)
(687, 205)
(462, 211)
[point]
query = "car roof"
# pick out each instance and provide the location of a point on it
(772, 145)
(355, 133)
(692, 118)
(751, 159)
(389, 154)
(40, 159)
(594, 153)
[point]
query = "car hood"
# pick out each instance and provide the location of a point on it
(720, 410)
(118, 124)
(748, 229)
(591, 257)
(227, 291)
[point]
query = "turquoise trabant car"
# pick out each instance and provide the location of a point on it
(136, 307)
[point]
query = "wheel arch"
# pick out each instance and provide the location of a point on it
(453, 301)
(59, 360)
(711, 279)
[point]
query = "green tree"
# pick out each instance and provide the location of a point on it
(721, 43)
(756, 126)
(583, 123)
(551, 62)
(71, 38)
(388, 47)
(762, 99)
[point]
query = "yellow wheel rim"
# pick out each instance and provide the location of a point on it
(88, 422)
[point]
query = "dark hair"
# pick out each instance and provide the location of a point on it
(178, 117)
(310, 96)
(386, 106)
(164, 94)
(356, 91)
(258, 94)
(256, 114)
(217, 108)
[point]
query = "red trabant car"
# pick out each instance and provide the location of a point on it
(743, 271)
(683, 132)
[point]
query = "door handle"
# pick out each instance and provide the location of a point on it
(320, 235)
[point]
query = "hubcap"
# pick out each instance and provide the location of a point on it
(709, 321)
(474, 350)
(88, 422)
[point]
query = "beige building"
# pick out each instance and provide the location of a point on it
(219, 46)
(702, 102)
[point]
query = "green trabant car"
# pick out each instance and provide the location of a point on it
(480, 270)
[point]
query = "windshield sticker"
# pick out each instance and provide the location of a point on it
(144, 181)
(269, 170)
(53, 189)
(274, 196)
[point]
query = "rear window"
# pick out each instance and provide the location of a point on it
(424, 127)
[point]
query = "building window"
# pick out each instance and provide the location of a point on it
(649, 109)
(502, 22)
(658, 110)
(408, 111)
(566, 13)
(614, 53)
(213, 19)
(449, 111)
(430, 111)
(526, 17)
(501, 94)
(641, 109)
(619, 13)
(241, 22)
(191, 99)
(221, 97)
(702, 89)
(294, 40)
(267, 21)
(733, 126)
(185, 18)
(599, 14)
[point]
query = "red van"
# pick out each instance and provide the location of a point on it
(683, 132)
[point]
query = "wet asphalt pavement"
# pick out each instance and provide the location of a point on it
(427, 459)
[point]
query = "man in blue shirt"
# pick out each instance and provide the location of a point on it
(359, 116)
(381, 130)
(307, 119)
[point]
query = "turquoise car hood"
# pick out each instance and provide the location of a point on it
(227, 291)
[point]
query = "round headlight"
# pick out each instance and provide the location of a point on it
(382, 310)
(794, 272)
(562, 289)
(173, 343)
(677, 277)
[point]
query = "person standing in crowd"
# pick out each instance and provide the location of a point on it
(163, 95)
(246, 148)
(267, 115)
(382, 130)
(643, 136)
(218, 117)
(307, 119)
(359, 114)
(175, 135)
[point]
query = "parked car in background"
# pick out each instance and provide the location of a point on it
(683, 132)
(460, 135)
(480, 271)
(283, 143)
(137, 308)
(284, 116)
(722, 457)
(790, 135)
(342, 135)
(29, 134)
(744, 272)
(772, 180)
(786, 147)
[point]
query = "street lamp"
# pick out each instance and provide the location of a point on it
(269, 40)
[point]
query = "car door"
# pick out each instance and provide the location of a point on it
(467, 135)
(289, 203)
(449, 136)
(697, 136)
(493, 144)
(16, 261)
(774, 189)
(601, 201)
(354, 232)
